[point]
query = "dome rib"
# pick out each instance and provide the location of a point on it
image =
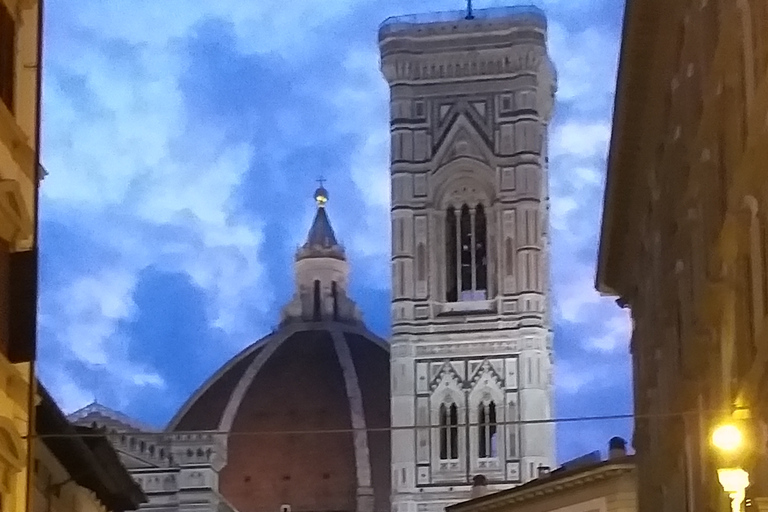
(230, 411)
(199, 392)
(357, 414)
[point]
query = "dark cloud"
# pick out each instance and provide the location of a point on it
(172, 334)
(68, 250)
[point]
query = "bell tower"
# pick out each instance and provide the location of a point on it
(471, 96)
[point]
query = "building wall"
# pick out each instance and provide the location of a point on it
(177, 472)
(18, 114)
(684, 239)
(469, 111)
(610, 490)
(54, 489)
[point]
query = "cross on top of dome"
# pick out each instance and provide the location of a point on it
(321, 194)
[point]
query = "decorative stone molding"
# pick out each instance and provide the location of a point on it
(402, 68)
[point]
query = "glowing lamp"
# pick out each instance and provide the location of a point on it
(727, 438)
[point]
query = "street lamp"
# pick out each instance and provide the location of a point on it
(729, 440)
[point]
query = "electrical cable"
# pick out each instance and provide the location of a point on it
(138, 434)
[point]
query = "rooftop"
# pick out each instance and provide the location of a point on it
(88, 457)
(98, 409)
(397, 23)
(574, 474)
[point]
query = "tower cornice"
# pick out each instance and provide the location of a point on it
(403, 67)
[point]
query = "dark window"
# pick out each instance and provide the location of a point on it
(492, 428)
(316, 311)
(466, 254)
(481, 264)
(466, 249)
(449, 432)
(454, 431)
(482, 429)
(451, 256)
(7, 56)
(4, 296)
(22, 310)
(443, 432)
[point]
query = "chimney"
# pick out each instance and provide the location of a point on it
(543, 470)
(479, 486)
(617, 448)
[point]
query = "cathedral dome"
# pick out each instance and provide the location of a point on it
(291, 403)
(307, 408)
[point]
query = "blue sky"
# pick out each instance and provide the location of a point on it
(183, 140)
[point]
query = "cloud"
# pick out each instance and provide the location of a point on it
(586, 61)
(579, 139)
(182, 152)
(614, 336)
(156, 185)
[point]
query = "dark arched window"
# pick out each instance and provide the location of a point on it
(443, 432)
(465, 223)
(466, 254)
(481, 256)
(481, 432)
(486, 430)
(316, 303)
(451, 254)
(449, 432)
(453, 432)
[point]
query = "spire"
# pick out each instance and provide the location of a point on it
(322, 272)
(321, 240)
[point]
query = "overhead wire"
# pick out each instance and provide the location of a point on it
(141, 434)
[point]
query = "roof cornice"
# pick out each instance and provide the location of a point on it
(638, 45)
(546, 486)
